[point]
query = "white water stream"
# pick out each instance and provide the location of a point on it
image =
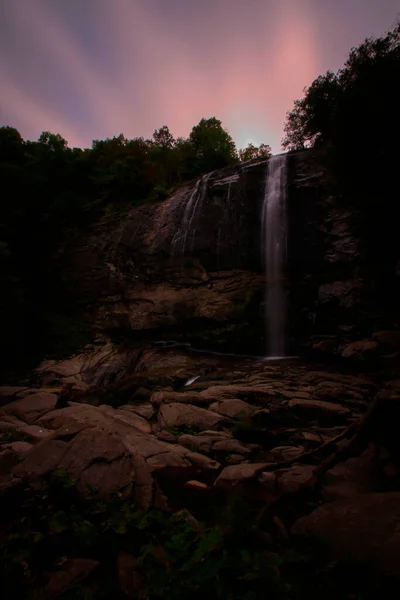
(273, 244)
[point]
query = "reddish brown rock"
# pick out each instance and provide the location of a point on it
(361, 529)
(72, 571)
(176, 415)
(236, 474)
(31, 408)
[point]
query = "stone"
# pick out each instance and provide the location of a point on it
(345, 293)
(362, 529)
(72, 571)
(318, 407)
(31, 408)
(309, 436)
(128, 417)
(19, 448)
(236, 474)
(166, 436)
(176, 415)
(197, 485)
(10, 423)
(285, 452)
(232, 408)
(250, 394)
(144, 409)
(234, 459)
(332, 391)
(201, 443)
(33, 432)
(352, 477)
(164, 397)
(268, 480)
(360, 350)
(8, 392)
(291, 480)
(231, 446)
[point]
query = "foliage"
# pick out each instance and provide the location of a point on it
(214, 148)
(175, 556)
(353, 115)
(252, 152)
(359, 100)
(52, 193)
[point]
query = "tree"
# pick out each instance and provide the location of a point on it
(252, 152)
(354, 116)
(54, 141)
(338, 108)
(213, 146)
(163, 137)
(11, 145)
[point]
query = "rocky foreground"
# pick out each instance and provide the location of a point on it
(312, 449)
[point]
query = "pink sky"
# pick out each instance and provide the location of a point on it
(92, 69)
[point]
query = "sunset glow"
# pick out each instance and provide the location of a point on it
(93, 69)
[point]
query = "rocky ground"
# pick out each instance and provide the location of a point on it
(176, 429)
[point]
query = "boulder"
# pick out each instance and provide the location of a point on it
(144, 409)
(317, 408)
(280, 453)
(250, 394)
(232, 408)
(362, 529)
(72, 571)
(361, 350)
(293, 479)
(177, 414)
(166, 397)
(34, 432)
(231, 446)
(99, 446)
(352, 477)
(236, 474)
(31, 408)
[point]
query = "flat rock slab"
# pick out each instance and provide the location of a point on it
(177, 414)
(166, 397)
(251, 394)
(9, 392)
(363, 529)
(104, 447)
(232, 408)
(31, 408)
(318, 406)
(235, 474)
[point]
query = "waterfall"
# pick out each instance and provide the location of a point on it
(273, 244)
(192, 209)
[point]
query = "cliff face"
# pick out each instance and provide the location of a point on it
(193, 261)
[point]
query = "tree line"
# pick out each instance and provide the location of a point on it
(353, 116)
(51, 192)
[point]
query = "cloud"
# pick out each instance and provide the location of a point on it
(95, 69)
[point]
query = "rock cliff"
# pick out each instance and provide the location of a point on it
(192, 262)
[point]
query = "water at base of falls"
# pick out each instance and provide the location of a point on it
(273, 244)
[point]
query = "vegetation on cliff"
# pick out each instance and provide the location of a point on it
(52, 192)
(354, 114)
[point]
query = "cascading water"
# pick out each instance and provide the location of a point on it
(192, 208)
(273, 244)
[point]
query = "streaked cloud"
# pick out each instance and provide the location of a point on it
(96, 68)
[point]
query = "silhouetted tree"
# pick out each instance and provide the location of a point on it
(252, 152)
(213, 145)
